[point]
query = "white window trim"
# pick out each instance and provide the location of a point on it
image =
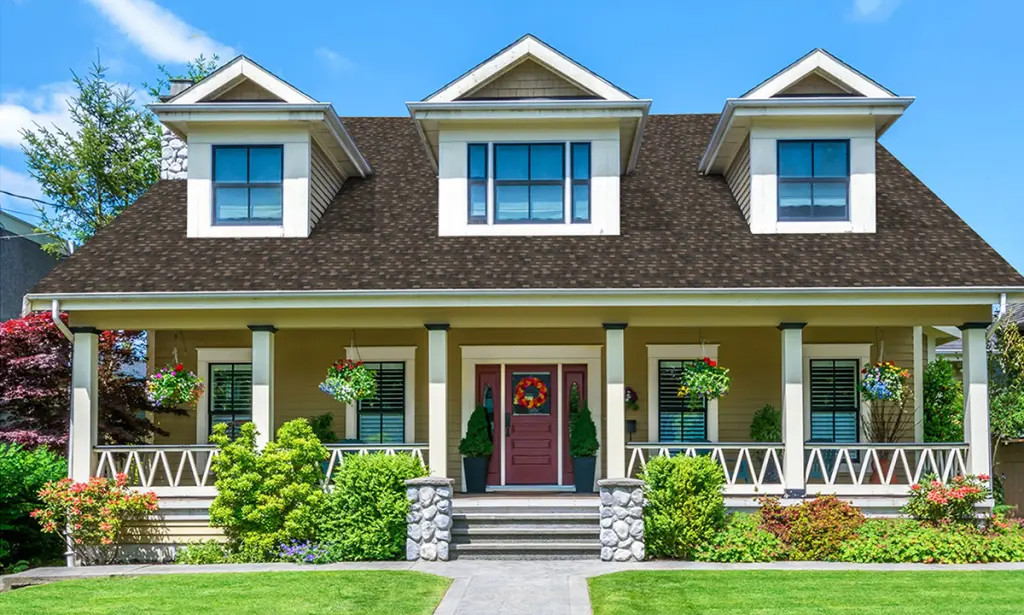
(205, 356)
(676, 352)
(374, 354)
(861, 352)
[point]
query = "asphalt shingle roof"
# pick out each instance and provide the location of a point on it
(679, 230)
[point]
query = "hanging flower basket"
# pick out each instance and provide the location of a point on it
(632, 399)
(883, 381)
(705, 378)
(174, 386)
(349, 381)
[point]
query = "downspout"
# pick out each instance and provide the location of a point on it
(55, 316)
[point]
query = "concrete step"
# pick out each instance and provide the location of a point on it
(520, 535)
(526, 550)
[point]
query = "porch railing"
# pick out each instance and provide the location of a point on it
(751, 468)
(159, 467)
(340, 451)
(880, 469)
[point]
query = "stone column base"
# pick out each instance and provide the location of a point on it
(429, 524)
(622, 519)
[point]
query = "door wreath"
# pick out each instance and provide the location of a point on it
(531, 399)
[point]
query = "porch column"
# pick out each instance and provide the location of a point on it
(263, 382)
(615, 398)
(84, 429)
(930, 348)
(437, 408)
(976, 427)
(793, 407)
(919, 366)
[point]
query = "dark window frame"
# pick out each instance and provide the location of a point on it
(573, 182)
(682, 411)
(471, 181)
(248, 184)
(529, 182)
(810, 180)
(856, 410)
(212, 402)
(402, 413)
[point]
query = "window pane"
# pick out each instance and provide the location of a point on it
(581, 203)
(794, 200)
(230, 395)
(511, 203)
(830, 159)
(232, 203)
(265, 164)
(266, 203)
(794, 159)
(546, 202)
(546, 162)
(511, 162)
(478, 201)
(581, 161)
(830, 200)
(382, 419)
(478, 161)
(229, 164)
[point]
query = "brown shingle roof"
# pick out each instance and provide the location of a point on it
(679, 230)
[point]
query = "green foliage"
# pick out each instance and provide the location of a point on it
(583, 433)
(477, 441)
(933, 501)
(704, 378)
(907, 541)
(742, 541)
(365, 518)
(201, 553)
(23, 473)
(766, 425)
(812, 530)
(93, 172)
(267, 497)
(685, 505)
(321, 426)
(943, 403)
(195, 71)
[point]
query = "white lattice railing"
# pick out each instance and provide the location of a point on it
(879, 469)
(340, 451)
(159, 467)
(753, 468)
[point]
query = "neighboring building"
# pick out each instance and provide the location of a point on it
(533, 220)
(22, 262)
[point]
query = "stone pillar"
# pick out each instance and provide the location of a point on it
(976, 427)
(429, 524)
(84, 401)
(263, 382)
(793, 407)
(622, 519)
(174, 157)
(615, 398)
(437, 399)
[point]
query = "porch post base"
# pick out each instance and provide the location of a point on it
(622, 519)
(429, 523)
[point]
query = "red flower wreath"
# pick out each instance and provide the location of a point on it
(532, 402)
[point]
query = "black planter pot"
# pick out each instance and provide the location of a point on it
(583, 473)
(476, 473)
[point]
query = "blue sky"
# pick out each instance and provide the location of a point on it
(964, 61)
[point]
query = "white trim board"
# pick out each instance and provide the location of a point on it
(233, 73)
(374, 354)
(676, 352)
(827, 66)
(205, 356)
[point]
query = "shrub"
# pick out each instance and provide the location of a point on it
(208, 552)
(766, 426)
(908, 541)
(93, 516)
(582, 433)
(23, 473)
(812, 530)
(743, 540)
(933, 501)
(321, 426)
(365, 518)
(943, 403)
(685, 504)
(478, 441)
(270, 496)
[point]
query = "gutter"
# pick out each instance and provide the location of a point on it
(528, 105)
(55, 316)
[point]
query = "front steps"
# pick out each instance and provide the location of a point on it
(526, 528)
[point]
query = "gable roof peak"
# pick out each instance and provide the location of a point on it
(820, 62)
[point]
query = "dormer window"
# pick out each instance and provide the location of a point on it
(814, 180)
(247, 184)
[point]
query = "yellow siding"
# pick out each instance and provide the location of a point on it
(160, 531)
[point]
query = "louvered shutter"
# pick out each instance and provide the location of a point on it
(230, 395)
(382, 420)
(835, 400)
(680, 419)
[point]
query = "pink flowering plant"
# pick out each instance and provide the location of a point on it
(349, 381)
(934, 501)
(174, 385)
(93, 516)
(704, 378)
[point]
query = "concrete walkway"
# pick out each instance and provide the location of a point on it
(480, 586)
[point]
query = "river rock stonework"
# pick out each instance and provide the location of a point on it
(174, 157)
(622, 519)
(429, 524)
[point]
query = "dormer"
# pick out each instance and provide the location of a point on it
(264, 159)
(798, 150)
(529, 142)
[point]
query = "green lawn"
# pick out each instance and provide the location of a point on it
(787, 592)
(281, 593)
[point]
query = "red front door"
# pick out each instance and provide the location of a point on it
(531, 421)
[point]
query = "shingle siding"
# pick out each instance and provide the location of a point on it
(325, 181)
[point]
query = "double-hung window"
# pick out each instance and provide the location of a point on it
(247, 184)
(680, 419)
(835, 400)
(814, 180)
(230, 395)
(382, 419)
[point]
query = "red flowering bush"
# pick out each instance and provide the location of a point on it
(92, 515)
(814, 529)
(704, 378)
(173, 386)
(933, 501)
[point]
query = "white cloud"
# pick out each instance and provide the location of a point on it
(874, 10)
(45, 106)
(333, 59)
(159, 33)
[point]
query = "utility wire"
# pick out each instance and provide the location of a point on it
(28, 198)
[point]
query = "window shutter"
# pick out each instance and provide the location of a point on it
(835, 400)
(230, 395)
(382, 419)
(680, 419)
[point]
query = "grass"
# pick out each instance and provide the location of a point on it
(770, 592)
(282, 593)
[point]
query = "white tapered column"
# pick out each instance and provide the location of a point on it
(85, 405)
(263, 382)
(793, 435)
(919, 366)
(437, 408)
(615, 398)
(976, 426)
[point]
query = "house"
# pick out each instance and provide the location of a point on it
(22, 262)
(531, 219)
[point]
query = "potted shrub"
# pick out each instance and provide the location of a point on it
(583, 447)
(766, 426)
(476, 448)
